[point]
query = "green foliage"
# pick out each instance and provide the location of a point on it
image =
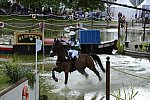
(131, 95)
(144, 44)
(3, 79)
(13, 70)
(16, 71)
(120, 47)
(75, 4)
(31, 79)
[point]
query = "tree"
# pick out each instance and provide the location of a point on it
(85, 4)
(38, 4)
(55, 4)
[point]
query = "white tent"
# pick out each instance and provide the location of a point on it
(136, 3)
(145, 4)
(128, 12)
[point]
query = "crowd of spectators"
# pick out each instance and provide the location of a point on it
(18, 9)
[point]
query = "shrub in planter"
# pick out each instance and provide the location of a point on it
(16, 71)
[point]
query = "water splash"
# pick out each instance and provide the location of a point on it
(79, 87)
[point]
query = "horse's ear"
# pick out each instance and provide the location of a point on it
(57, 40)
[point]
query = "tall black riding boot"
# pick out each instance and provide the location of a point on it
(70, 56)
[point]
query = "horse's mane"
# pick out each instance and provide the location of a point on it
(58, 43)
(61, 50)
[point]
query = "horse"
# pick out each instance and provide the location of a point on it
(64, 64)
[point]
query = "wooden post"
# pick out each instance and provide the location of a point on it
(118, 28)
(132, 22)
(51, 22)
(144, 29)
(126, 31)
(108, 79)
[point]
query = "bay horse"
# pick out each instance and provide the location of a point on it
(83, 61)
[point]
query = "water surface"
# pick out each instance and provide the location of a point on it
(78, 88)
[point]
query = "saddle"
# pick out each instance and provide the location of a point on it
(68, 58)
(72, 61)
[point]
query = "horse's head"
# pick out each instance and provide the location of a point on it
(56, 48)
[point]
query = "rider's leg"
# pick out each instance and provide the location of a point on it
(73, 60)
(70, 54)
(74, 54)
(67, 55)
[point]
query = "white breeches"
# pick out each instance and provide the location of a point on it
(74, 53)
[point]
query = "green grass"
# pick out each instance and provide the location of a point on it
(53, 28)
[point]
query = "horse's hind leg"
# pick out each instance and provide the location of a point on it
(97, 73)
(82, 71)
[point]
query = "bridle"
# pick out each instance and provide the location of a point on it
(58, 49)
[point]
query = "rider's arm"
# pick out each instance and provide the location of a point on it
(65, 42)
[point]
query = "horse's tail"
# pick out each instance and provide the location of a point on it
(97, 59)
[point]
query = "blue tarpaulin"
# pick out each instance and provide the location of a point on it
(89, 36)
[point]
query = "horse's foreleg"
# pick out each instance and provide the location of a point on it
(53, 75)
(66, 77)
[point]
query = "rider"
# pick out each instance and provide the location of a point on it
(74, 47)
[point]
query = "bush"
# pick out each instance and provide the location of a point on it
(16, 71)
(128, 95)
(120, 47)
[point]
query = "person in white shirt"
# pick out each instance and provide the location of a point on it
(74, 48)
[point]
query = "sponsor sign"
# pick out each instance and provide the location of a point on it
(28, 38)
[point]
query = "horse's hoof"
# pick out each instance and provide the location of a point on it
(100, 79)
(56, 80)
(65, 83)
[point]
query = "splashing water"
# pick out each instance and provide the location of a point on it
(80, 88)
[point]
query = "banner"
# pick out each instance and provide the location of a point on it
(38, 48)
(38, 45)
